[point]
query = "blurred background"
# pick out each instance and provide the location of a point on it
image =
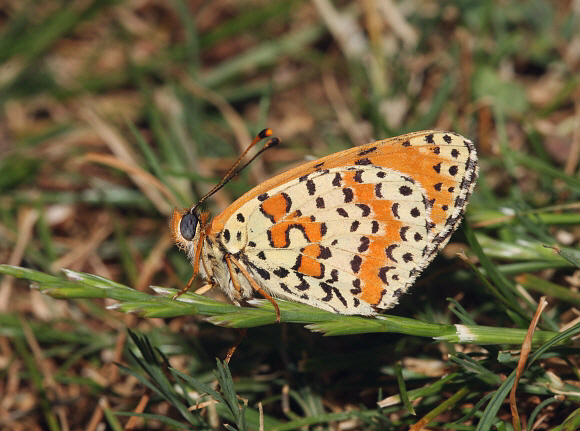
(115, 112)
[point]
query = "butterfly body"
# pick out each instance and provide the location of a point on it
(348, 233)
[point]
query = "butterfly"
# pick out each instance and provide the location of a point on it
(348, 233)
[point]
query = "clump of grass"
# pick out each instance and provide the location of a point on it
(116, 112)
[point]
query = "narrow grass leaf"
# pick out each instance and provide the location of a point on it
(163, 419)
(538, 409)
(403, 388)
(531, 282)
(477, 369)
(460, 312)
(199, 386)
(571, 255)
(571, 423)
(497, 400)
(542, 167)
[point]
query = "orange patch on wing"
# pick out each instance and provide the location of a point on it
(312, 250)
(279, 234)
(362, 192)
(375, 257)
(310, 266)
(415, 163)
(373, 287)
(276, 207)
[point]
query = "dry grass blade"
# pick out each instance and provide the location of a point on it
(236, 122)
(126, 160)
(157, 97)
(26, 221)
(133, 420)
(142, 178)
(526, 349)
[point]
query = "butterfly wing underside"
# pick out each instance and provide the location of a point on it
(350, 233)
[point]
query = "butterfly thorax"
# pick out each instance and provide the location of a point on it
(230, 240)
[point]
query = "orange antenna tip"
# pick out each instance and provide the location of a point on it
(265, 133)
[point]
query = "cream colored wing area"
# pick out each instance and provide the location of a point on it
(346, 239)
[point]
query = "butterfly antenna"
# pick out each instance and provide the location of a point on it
(233, 172)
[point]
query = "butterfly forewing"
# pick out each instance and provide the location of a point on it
(351, 232)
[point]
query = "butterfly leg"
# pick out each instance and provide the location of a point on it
(196, 260)
(255, 285)
(185, 289)
(234, 277)
(204, 289)
(231, 350)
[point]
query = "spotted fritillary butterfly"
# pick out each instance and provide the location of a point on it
(348, 233)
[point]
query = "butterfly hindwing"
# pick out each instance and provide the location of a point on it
(343, 239)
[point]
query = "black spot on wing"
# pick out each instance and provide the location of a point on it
(311, 187)
(363, 162)
(331, 292)
(364, 244)
(366, 210)
(261, 272)
(324, 253)
(389, 252)
(403, 232)
(405, 190)
(356, 284)
(383, 273)
(367, 151)
(348, 195)
(303, 283)
(355, 263)
(333, 276)
(395, 210)
(281, 272)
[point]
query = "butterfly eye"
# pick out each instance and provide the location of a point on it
(188, 226)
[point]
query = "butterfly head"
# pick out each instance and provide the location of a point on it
(185, 227)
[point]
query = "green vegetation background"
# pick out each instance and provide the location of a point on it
(115, 112)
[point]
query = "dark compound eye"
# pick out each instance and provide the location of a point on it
(188, 226)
